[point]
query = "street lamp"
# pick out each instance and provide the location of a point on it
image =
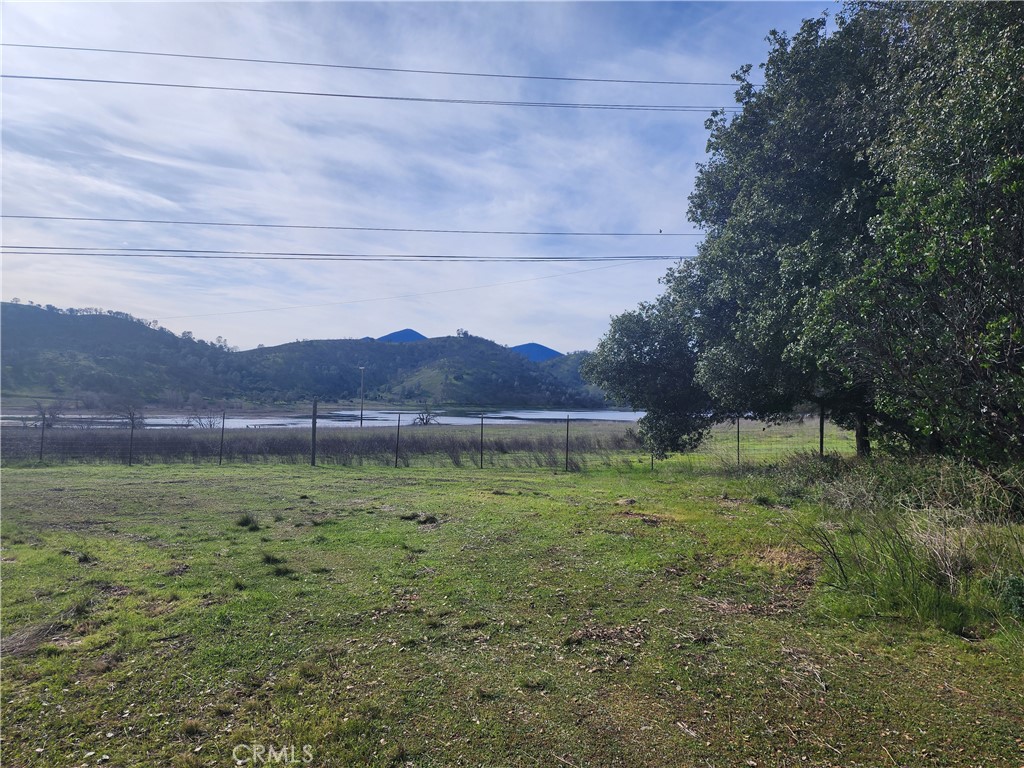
(362, 368)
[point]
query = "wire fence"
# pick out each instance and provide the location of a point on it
(570, 445)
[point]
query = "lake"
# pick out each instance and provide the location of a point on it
(389, 418)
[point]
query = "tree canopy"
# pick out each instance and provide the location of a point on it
(864, 241)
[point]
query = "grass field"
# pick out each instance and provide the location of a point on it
(181, 615)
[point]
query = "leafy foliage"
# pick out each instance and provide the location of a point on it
(865, 237)
(648, 359)
(937, 311)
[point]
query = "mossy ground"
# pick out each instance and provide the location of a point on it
(434, 616)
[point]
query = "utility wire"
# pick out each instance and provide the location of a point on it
(186, 253)
(353, 229)
(363, 68)
(373, 97)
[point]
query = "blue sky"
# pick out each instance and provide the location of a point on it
(117, 151)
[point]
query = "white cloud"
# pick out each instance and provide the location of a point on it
(134, 152)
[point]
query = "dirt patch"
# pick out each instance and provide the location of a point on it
(781, 600)
(105, 663)
(792, 560)
(645, 519)
(420, 518)
(724, 606)
(159, 607)
(625, 502)
(179, 569)
(632, 635)
(113, 590)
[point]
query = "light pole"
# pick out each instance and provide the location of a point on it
(362, 368)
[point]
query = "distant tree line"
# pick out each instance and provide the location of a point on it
(865, 243)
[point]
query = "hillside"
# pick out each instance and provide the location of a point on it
(538, 353)
(97, 358)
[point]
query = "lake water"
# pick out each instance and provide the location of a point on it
(389, 418)
(372, 417)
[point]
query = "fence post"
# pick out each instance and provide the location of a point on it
(131, 442)
(567, 442)
(312, 451)
(42, 436)
(737, 440)
(481, 442)
(220, 456)
(821, 429)
(398, 437)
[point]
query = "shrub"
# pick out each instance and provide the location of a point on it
(919, 538)
(248, 520)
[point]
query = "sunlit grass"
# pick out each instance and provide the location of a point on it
(441, 616)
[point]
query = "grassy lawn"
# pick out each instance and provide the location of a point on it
(434, 616)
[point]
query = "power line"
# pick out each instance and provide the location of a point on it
(363, 68)
(188, 253)
(375, 97)
(353, 229)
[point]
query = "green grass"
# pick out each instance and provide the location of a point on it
(432, 616)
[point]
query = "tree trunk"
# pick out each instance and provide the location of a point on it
(860, 432)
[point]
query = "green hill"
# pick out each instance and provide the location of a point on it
(95, 357)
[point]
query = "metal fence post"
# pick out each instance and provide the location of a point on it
(312, 452)
(737, 440)
(398, 437)
(567, 442)
(821, 429)
(220, 457)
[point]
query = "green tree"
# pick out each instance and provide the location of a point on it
(937, 311)
(865, 237)
(648, 360)
(786, 197)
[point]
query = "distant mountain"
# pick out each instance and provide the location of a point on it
(98, 359)
(538, 353)
(404, 335)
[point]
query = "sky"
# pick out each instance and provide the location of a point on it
(363, 166)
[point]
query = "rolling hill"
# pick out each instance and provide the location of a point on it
(97, 358)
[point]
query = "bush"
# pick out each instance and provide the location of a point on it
(921, 539)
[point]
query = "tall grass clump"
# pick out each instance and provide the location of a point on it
(933, 540)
